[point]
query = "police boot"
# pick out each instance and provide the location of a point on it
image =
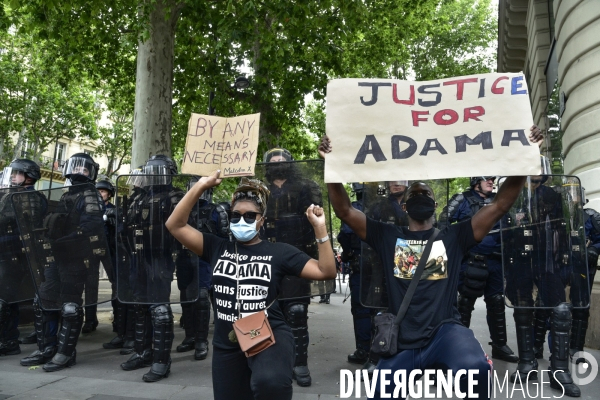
(466, 305)
(162, 321)
(560, 377)
(119, 325)
(72, 320)
(527, 366)
(129, 341)
(540, 327)
(30, 338)
(297, 315)
(201, 323)
(91, 319)
(142, 356)
(9, 334)
(359, 356)
(578, 331)
(46, 324)
(496, 319)
(187, 310)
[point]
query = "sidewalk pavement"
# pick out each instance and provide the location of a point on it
(98, 376)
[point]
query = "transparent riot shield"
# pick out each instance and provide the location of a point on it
(544, 245)
(156, 268)
(381, 205)
(294, 186)
(67, 246)
(16, 284)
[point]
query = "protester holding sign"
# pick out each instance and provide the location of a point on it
(430, 335)
(246, 279)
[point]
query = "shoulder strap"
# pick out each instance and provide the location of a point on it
(416, 277)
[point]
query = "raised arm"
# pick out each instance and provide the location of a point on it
(324, 267)
(355, 219)
(486, 217)
(177, 223)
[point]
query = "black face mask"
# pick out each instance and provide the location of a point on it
(420, 207)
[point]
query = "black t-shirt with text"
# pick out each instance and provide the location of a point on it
(260, 270)
(434, 301)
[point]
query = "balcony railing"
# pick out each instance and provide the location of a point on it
(46, 162)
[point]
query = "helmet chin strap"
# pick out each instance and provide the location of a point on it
(480, 191)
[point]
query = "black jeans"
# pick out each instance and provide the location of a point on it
(265, 376)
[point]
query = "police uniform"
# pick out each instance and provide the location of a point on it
(481, 271)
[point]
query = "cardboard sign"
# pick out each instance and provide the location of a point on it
(228, 144)
(385, 129)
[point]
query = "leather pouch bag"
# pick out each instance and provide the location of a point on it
(254, 333)
(385, 338)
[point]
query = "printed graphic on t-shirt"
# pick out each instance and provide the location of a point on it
(254, 274)
(408, 253)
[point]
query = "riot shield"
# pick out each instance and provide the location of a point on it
(294, 186)
(381, 205)
(67, 246)
(544, 245)
(16, 284)
(154, 259)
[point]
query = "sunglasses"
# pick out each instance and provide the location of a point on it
(249, 216)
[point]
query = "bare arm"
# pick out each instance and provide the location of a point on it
(324, 268)
(484, 220)
(355, 219)
(487, 216)
(177, 224)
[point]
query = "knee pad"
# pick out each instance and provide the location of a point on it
(495, 302)
(466, 302)
(203, 293)
(581, 314)
(71, 311)
(297, 314)
(523, 316)
(561, 317)
(162, 315)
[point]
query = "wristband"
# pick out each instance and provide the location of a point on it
(322, 240)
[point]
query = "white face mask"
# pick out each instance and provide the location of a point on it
(243, 231)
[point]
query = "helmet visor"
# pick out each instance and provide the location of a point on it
(157, 175)
(12, 177)
(80, 169)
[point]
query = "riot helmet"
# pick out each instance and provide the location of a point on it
(206, 195)
(80, 168)
(476, 179)
(159, 169)
(136, 177)
(397, 188)
(574, 190)
(357, 187)
(18, 171)
(106, 185)
(278, 165)
(279, 154)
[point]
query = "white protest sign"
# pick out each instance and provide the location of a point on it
(228, 144)
(383, 129)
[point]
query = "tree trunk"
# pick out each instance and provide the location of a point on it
(154, 84)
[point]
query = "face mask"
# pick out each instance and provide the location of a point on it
(243, 231)
(420, 207)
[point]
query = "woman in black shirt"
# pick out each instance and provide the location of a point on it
(246, 277)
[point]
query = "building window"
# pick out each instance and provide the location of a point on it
(59, 155)
(27, 149)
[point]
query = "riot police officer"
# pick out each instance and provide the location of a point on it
(539, 243)
(15, 279)
(291, 195)
(481, 271)
(361, 316)
(157, 255)
(73, 230)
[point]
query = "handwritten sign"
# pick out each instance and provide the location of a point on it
(228, 144)
(384, 129)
